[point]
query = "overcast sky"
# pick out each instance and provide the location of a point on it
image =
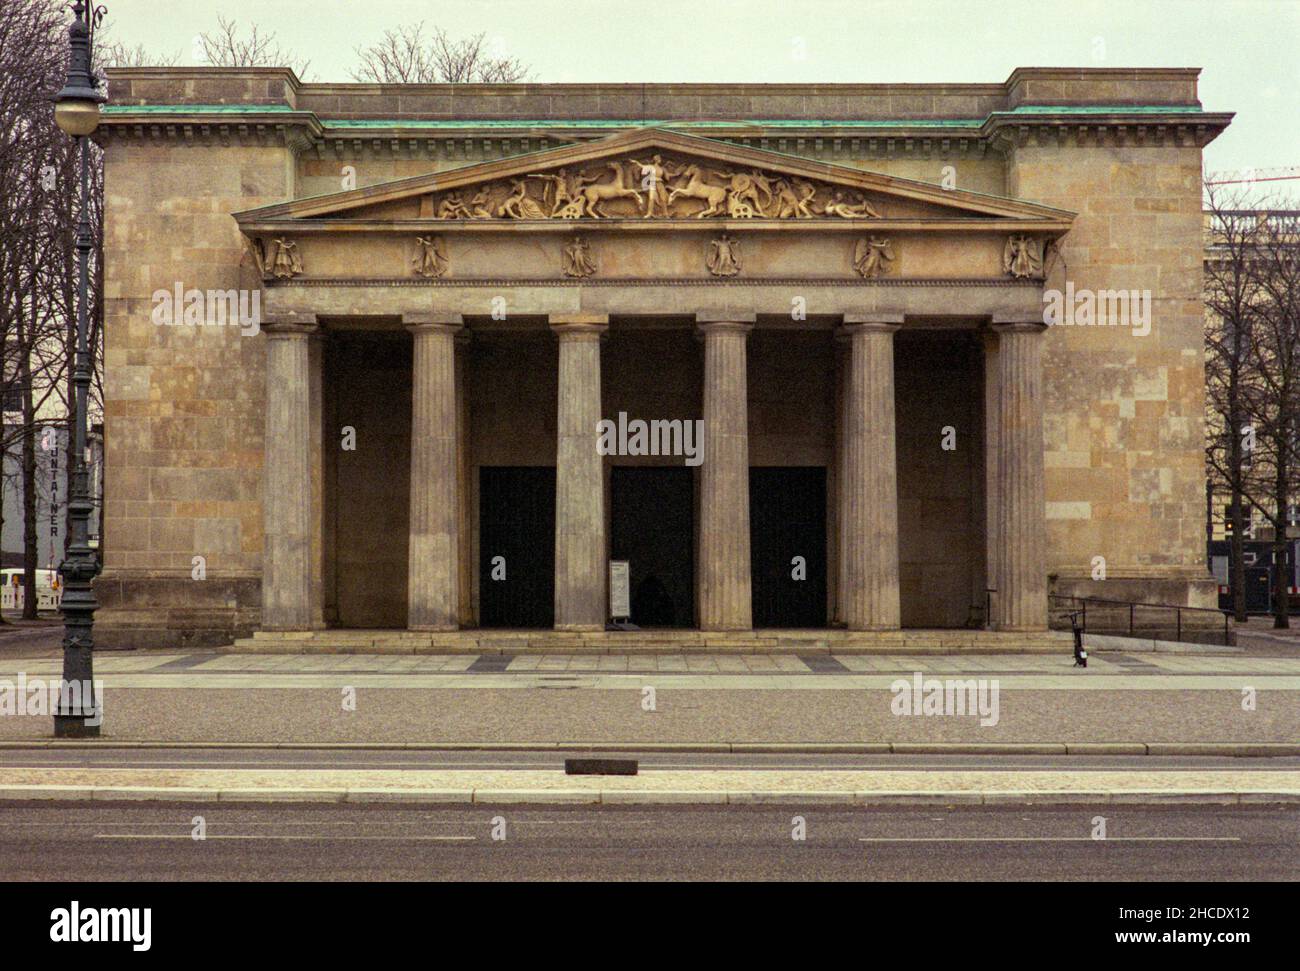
(1249, 49)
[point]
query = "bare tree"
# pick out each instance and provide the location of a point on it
(1273, 403)
(229, 46)
(406, 56)
(118, 54)
(1231, 298)
(40, 172)
(31, 70)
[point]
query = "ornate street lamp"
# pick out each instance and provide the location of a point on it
(76, 110)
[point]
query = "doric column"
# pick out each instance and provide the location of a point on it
(287, 488)
(433, 586)
(316, 437)
(869, 490)
(992, 543)
(1020, 602)
(725, 593)
(834, 517)
(464, 484)
(579, 477)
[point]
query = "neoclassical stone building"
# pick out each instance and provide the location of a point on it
(810, 317)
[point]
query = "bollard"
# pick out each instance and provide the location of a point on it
(1080, 652)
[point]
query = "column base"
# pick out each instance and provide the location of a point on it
(579, 628)
(433, 627)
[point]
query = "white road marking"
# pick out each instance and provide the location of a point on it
(250, 836)
(1048, 839)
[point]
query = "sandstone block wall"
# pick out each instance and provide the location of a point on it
(183, 409)
(1124, 411)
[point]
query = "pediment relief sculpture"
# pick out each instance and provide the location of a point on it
(660, 186)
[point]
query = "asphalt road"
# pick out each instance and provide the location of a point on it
(106, 756)
(154, 841)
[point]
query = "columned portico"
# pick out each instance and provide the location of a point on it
(882, 493)
(724, 564)
(579, 478)
(433, 584)
(1020, 601)
(869, 490)
(287, 566)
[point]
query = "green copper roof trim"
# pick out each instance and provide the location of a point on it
(194, 109)
(344, 124)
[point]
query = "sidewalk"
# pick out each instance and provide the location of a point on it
(496, 700)
(845, 787)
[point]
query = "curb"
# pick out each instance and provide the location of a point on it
(613, 797)
(1223, 749)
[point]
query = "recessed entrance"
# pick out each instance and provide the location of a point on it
(516, 547)
(652, 526)
(941, 479)
(787, 519)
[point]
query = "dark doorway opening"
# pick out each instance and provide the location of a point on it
(653, 528)
(787, 519)
(516, 547)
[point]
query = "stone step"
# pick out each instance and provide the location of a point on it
(658, 642)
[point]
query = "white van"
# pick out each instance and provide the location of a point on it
(49, 589)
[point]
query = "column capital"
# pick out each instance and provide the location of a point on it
(579, 326)
(431, 323)
(1018, 322)
(879, 322)
(290, 324)
(724, 322)
(726, 317)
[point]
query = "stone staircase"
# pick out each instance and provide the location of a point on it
(653, 642)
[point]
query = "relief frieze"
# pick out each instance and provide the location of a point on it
(661, 186)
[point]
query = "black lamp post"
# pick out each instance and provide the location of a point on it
(76, 111)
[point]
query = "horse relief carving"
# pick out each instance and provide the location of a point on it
(660, 187)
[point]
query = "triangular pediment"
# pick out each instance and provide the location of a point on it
(655, 173)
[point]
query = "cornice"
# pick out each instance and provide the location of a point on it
(311, 226)
(740, 282)
(257, 125)
(478, 139)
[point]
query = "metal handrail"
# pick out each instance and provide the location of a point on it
(1132, 606)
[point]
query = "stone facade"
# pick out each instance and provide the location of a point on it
(828, 277)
